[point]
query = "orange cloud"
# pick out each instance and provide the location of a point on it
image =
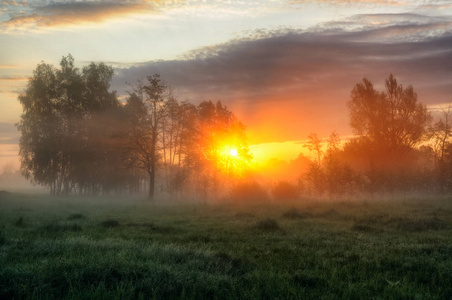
(13, 78)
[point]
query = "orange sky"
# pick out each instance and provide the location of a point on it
(285, 68)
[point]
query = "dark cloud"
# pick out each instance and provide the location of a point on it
(306, 76)
(74, 12)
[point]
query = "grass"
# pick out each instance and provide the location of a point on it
(67, 248)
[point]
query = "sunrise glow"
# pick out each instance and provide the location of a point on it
(261, 149)
(233, 152)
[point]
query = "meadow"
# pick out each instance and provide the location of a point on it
(118, 248)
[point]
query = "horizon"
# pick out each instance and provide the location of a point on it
(284, 68)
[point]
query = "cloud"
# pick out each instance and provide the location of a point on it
(68, 13)
(13, 3)
(75, 12)
(9, 133)
(348, 2)
(390, 27)
(286, 81)
(13, 78)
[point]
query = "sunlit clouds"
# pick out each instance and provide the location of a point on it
(71, 13)
(290, 82)
(44, 14)
(284, 67)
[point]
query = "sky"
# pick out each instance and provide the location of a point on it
(284, 67)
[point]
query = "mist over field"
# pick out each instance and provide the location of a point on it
(283, 149)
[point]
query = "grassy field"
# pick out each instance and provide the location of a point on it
(131, 249)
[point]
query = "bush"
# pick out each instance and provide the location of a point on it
(2, 236)
(19, 222)
(249, 192)
(75, 217)
(294, 214)
(55, 227)
(109, 223)
(267, 225)
(284, 191)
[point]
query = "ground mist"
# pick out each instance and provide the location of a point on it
(107, 248)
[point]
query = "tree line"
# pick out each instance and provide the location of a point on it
(78, 138)
(397, 147)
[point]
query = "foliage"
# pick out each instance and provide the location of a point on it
(248, 191)
(387, 122)
(268, 224)
(146, 114)
(62, 146)
(76, 138)
(331, 173)
(295, 214)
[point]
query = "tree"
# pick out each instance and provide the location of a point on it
(390, 121)
(329, 173)
(57, 106)
(387, 124)
(220, 132)
(441, 133)
(314, 144)
(147, 114)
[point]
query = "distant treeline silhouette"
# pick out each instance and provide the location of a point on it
(78, 138)
(396, 148)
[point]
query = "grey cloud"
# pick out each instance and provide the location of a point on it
(48, 14)
(305, 74)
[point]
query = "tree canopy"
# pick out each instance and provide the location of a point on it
(387, 121)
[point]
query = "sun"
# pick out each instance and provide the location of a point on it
(233, 152)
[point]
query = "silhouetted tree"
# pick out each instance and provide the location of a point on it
(147, 114)
(440, 134)
(330, 173)
(57, 105)
(388, 125)
(314, 144)
(392, 121)
(220, 131)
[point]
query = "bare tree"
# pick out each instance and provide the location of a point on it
(314, 144)
(147, 115)
(441, 132)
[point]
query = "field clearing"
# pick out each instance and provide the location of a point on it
(114, 248)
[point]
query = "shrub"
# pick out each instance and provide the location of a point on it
(56, 228)
(362, 227)
(425, 224)
(2, 236)
(19, 222)
(267, 225)
(75, 217)
(284, 191)
(109, 223)
(249, 192)
(294, 214)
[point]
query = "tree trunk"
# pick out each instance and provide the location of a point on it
(151, 183)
